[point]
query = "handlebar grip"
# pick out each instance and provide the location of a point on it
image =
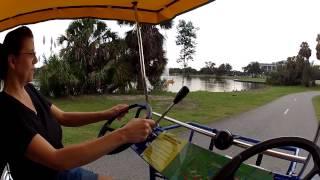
(181, 94)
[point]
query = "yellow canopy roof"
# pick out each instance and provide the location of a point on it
(19, 12)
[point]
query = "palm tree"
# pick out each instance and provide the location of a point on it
(154, 54)
(89, 46)
(305, 52)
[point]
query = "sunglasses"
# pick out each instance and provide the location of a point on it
(33, 54)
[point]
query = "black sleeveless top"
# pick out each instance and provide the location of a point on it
(18, 125)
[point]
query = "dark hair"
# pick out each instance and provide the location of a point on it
(12, 44)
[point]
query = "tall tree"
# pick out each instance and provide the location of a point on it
(253, 69)
(305, 52)
(306, 74)
(186, 38)
(210, 66)
(221, 70)
(228, 68)
(154, 54)
(89, 46)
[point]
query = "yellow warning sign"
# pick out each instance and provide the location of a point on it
(163, 150)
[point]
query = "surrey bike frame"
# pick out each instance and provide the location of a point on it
(291, 155)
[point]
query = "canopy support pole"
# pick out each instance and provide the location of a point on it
(141, 55)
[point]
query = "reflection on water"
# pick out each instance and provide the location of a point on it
(207, 83)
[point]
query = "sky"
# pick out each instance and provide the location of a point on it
(230, 31)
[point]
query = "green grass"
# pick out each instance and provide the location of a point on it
(316, 105)
(202, 107)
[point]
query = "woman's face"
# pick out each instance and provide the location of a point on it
(25, 61)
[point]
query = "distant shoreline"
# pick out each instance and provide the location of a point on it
(235, 78)
(250, 81)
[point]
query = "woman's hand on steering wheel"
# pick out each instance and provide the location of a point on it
(130, 128)
(118, 111)
(137, 130)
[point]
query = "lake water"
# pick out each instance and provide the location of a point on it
(203, 83)
(207, 83)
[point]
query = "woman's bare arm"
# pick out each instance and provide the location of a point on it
(74, 119)
(39, 150)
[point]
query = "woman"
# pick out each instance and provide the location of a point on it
(30, 125)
